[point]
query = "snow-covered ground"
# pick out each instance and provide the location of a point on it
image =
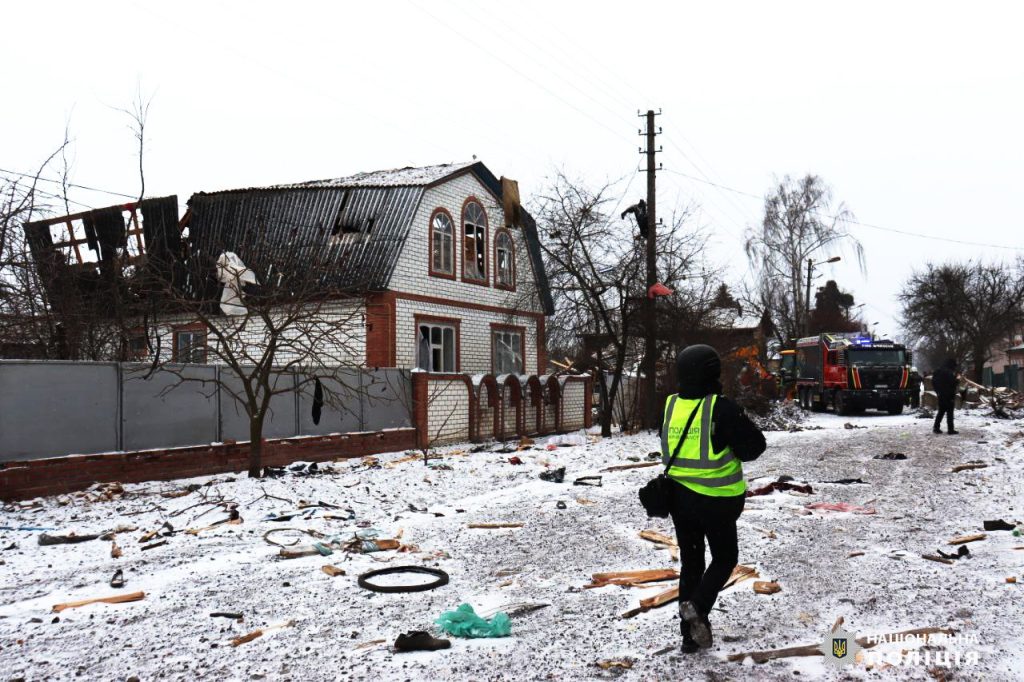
(170, 634)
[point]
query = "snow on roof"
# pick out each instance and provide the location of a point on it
(395, 177)
(1016, 348)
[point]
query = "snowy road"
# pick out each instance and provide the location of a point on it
(920, 505)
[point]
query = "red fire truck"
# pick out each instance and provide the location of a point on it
(851, 373)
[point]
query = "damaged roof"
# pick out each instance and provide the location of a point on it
(358, 223)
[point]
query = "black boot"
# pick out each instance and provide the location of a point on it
(700, 627)
(689, 645)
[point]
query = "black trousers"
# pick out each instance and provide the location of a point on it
(945, 409)
(697, 517)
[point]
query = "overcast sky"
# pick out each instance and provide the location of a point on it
(912, 112)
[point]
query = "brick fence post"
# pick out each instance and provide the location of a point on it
(588, 401)
(419, 409)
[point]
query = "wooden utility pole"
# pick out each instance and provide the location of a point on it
(649, 364)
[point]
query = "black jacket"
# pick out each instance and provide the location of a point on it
(734, 429)
(944, 382)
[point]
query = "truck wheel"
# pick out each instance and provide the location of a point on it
(895, 408)
(801, 397)
(839, 404)
(816, 406)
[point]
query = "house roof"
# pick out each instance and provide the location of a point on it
(359, 222)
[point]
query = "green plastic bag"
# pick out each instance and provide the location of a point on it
(463, 622)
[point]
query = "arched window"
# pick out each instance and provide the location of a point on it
(442, 244)
(504, 261)
(474, 227)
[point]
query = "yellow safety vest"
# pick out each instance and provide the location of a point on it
(717, 474)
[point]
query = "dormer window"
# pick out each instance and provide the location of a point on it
(474, 227)
(442, 244)
(504, 261)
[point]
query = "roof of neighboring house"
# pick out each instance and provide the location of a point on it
(358, 222)
(1016, 349)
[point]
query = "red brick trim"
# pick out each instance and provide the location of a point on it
(512, 384)
(489, 384)
(420, 298)
(381, 335)
(190, 327)
(484, 281)
(512, 259)
(430, 246)
(60, 475)
(434, 319)
(542, 346)
(498, 327)
(536, 402)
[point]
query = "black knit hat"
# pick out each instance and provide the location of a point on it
(698, 369)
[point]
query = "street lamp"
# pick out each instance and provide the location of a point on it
(807, 301)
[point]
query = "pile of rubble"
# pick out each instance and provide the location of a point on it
(1004, 402)
(781, 416)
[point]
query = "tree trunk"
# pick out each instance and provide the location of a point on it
(979, 364)
(255, 448)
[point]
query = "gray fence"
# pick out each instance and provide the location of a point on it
(53, 408)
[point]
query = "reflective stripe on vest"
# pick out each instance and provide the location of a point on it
(712, 473)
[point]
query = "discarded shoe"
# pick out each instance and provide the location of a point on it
(999, 524)
(561, 505)
(420, 640)
(700, 628)
(553, 475)
(118, 579)
(891, 456)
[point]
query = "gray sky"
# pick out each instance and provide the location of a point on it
(912, 111)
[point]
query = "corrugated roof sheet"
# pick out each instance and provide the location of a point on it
(279, 227)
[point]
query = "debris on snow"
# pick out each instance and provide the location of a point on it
(116, 599)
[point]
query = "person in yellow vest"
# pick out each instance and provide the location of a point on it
(705, 436)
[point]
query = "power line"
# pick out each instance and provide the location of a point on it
(70, 184)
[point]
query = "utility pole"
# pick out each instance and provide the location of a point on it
(649, 364)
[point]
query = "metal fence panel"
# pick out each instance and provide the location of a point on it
(341, 411)
(387, 399)
(49, 409)
(234, 422)
(170, 408)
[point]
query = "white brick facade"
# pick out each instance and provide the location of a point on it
(447, 411)
(412, 276)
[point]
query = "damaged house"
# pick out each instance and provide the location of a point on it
(440, 267)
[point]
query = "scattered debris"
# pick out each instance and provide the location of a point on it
(739, 574)
(153, 545)
(969, 466)
(495, 525)
(782, 416)
(560, 504)
(840, 507)
(237, 641)
(849, 481)
(69, 539)
(440, 579)
(420, 640)
(332, 571)
(226, 614)
(623, 467)
(464, 622)
(766, 587)
(967, 538)
(514, 609)
(553, 475)
(658, 538)
(624, 663)
(936, 559)
(366, 645)
(588, 480)
(116, 599)
(998, 524)
(117, 581)
(960, 554)
(515, 460)
(668, 596)
(115, 551)
(782, 484)
(566, 440)
(631, 578)
(891, 456)
(1011, 579)
(854, 554)
(850, 426)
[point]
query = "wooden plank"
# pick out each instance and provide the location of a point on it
(739, 574)
(766, 587)
(637, 465)
(495, 525)
(116, 599)
(632, 577)
(964, 539)
(658, 538)
(968, 467)
(937, 559)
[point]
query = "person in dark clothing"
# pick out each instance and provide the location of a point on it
(705, 456)
(944, 382)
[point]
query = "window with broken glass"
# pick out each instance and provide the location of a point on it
(190, 346)
(508, 352)
(474, 223)
(442, 240)
(503, 255)
(436, 348)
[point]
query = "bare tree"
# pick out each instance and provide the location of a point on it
(800, 222)
(966, 309)
(596, 264)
